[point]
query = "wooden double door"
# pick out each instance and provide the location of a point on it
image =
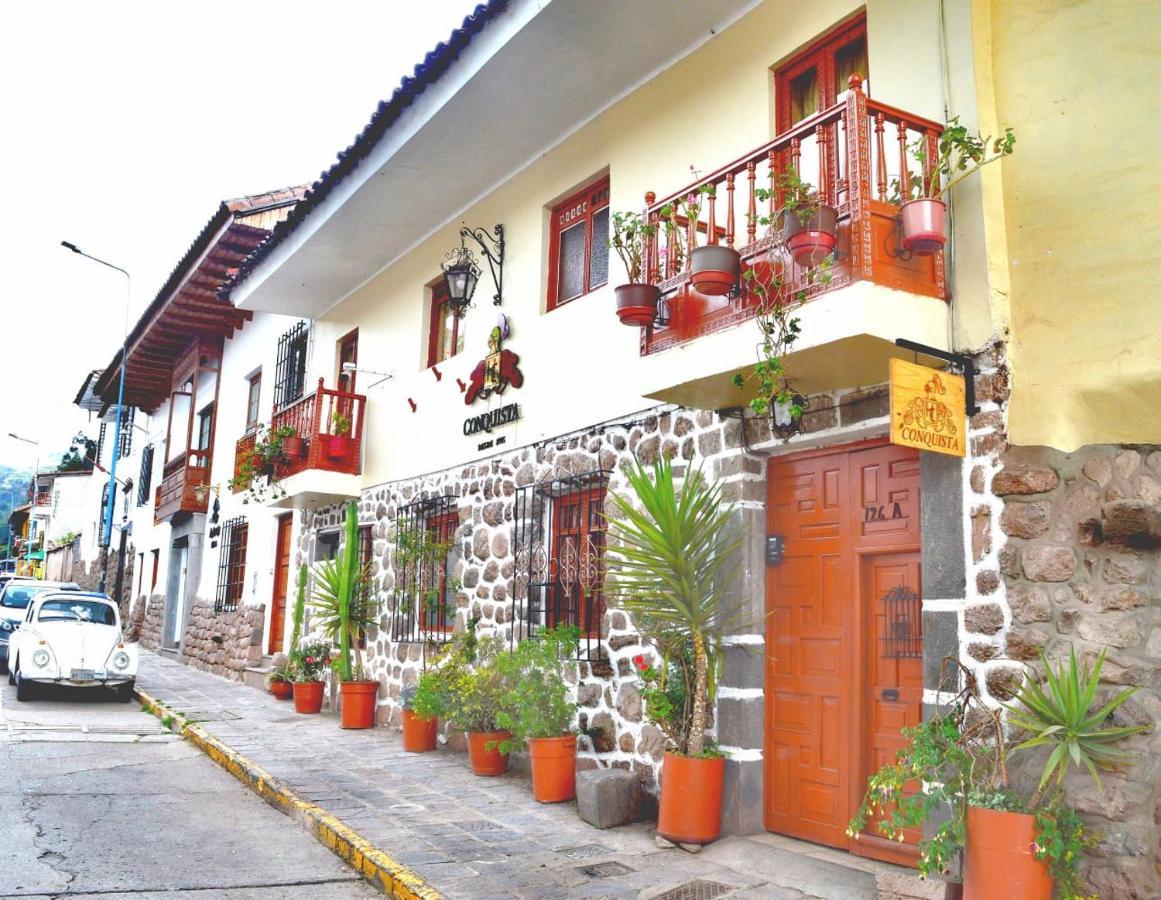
(843, 667)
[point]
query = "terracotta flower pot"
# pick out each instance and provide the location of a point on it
(308, 696)
(924, 226)
(691, 799)
(337, 446)
(293, 448)
(419, 735)
(359, 703)
(283, 690)
(810, 242)
(485, 761)
(998, 859)
(637, 304)
(553, 768)
(714, 269)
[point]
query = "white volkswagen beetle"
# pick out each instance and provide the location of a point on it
(71, 638)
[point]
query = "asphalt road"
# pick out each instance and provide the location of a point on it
(96, 799)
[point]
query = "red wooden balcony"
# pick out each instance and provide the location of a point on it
(183, 485)
(330, 424)
(853, 153)
(43, 498)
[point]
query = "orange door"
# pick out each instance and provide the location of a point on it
(281, 579)
(836, 691)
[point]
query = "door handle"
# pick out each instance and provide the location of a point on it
(890, 694)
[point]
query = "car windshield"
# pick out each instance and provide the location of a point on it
(18, 596)
(78, 610)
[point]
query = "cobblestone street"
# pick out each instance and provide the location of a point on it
(474, 837)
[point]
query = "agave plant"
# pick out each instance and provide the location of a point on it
(345, 601)
(673, 547)
(1059, 715)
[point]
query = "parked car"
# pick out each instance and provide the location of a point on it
(72, 638)
(8, 566)
(15, 596)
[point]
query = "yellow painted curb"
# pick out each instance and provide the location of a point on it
(376, 866)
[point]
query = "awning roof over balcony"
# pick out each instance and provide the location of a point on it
(495, 84)
(188, 306)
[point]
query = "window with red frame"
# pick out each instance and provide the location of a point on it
(578, 253)
(446, 330)
(812, 80)
(425, 556)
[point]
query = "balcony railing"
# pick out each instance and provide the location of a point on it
(182, 487)
(854, 153)
(43, 498)
(330, 424)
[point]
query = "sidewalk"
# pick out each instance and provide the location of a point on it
(447, 832)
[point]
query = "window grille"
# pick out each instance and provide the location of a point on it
(145, 476)
(290, 372)
(125, 441)
(231, 565)
(559, 538)
(102, 538)
(101, 441)
(426, 552)
(902, 624)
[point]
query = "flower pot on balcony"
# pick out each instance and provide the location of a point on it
(924, 226)
(690, 811)
(282, 690)
(810, 242)
(484, 752)
(553, 768)
(998, 858)
(359, 703)
(714, 269)
(308, 696)
(337, 446)
(637, 304)
(293, 448)
(419, 735)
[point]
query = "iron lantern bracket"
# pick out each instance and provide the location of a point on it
(965, 365)
(493, 250)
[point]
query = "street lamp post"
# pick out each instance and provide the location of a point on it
(108, 529)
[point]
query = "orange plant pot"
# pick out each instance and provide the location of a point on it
(691, 799)
(308, 696)
(419, 735)
(283, 690)
(553, 768)
(485, 761)
(359, 703)
(998, 860)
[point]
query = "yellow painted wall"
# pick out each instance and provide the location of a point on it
(580, 365)
(1075, 80)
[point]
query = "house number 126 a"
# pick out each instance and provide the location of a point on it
(879, 513)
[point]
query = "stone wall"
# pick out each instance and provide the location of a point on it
(224, 643)
(152, 617)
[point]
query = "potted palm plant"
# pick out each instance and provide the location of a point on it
(346, 608)
(423, 704)
(338, 441)
(310, 662)
(671, 573)
(637, 300)
(1013, 844)
(959, 154)
(538, 711)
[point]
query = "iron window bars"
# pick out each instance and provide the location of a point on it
(559, 538)
(902, 624)
(425, 595)
(290, 371)
(102, 537)
(231, 565)
(125, 440)
(145, 476)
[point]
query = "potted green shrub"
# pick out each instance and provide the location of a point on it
(291, 445)
(714, 269)
(345, 603)
(960, 154)
(280, 681)
(636, 300)
(475, 691)
(310, 663)
(1013, 844)
(538, 711)
(422, 704)
(338, 441)
(808, 226)
(670, 565)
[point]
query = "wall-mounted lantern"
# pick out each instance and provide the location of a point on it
(461, 271)
(783, 422)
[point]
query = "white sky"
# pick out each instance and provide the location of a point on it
(123, 125)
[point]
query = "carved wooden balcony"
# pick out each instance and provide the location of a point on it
(183, 485)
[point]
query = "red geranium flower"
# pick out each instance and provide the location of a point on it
(639, 662)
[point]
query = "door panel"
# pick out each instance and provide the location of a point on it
(850, 525)
(281, 581)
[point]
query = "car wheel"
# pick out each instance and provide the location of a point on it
(125, 692)
(3, 664)
(23, 689)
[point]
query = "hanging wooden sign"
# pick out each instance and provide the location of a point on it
(928, 411)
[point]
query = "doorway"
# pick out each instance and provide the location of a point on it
(843, 640)
(180, 570)
(281, 581)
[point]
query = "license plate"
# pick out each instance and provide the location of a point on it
(81, 675)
